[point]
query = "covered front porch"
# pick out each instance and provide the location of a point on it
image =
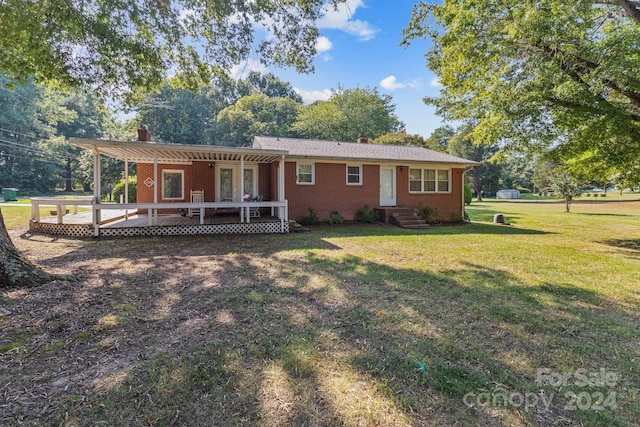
(226, 180)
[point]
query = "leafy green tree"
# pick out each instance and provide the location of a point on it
(484, 177)
(542, 174)
(253, 115)
(89, 117)
(589, 168)
(565, 186)
(118, 47)
(181, 116)
(267, 84)
(28, 117)
(550, 73)
(178, 115)
(369, 114)
(518, 171)
(348, 115)
(400, 138)
(321, 120)
(629, 178)
(439, 138)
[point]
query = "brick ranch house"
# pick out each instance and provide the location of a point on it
(330, 176)
(291, 175)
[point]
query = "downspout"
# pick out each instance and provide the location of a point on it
(464, 179)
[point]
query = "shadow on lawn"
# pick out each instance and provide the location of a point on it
(602, 214)
(264, 336)
(629, 247)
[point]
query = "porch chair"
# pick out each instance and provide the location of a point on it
(254, 212)
(197, 196)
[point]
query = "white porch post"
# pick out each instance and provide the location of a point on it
(153, 214)
(126, 187)
(97, 196)
(242, 209)
(282, 211)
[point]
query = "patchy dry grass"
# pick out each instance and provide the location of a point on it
(345, 325)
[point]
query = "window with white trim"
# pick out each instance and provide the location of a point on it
(429, 180)
(172, 184)
(305, 173)
(354, 174)
(443, 180)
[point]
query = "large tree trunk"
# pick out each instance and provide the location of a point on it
(15, 270)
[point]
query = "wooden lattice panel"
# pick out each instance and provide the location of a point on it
(184, 230)
(71, 230)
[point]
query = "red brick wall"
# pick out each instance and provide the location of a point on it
(265, 182)
(331, 193)
(197, 176)
(448, 206)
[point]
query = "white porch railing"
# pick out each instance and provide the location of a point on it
(60, 205)
(278, 208)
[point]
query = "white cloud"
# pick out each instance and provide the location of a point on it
(435, 82)
(340, 18)
(391, 83)
(323, 44)
(309, 97)
(240, 71)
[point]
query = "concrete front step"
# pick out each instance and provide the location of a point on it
(407, 218)
(406, 222)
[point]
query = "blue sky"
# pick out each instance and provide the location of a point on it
(359, 46)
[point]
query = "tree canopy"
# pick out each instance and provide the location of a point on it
(483, 178)
(552, 73)
(400, 138)
(253, 115)
(119, 46)
(348, 115)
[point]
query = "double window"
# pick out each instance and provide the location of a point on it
(429, 180)
(172, 184)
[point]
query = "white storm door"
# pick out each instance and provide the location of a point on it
(227, 184)
(387, 186)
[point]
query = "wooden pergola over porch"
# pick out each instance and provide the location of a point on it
(180, 154)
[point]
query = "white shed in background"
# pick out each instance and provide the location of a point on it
(508, 194)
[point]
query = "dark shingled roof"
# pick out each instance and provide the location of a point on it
(318, 149)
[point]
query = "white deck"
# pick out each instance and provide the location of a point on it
(86, 217)
(177, 220)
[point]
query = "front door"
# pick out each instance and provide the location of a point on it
(228, 182)
(387, 186)
(227, 188)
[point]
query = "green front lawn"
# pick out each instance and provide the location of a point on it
(533, 323)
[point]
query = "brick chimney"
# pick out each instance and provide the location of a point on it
(144, 134)
(363, 141)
